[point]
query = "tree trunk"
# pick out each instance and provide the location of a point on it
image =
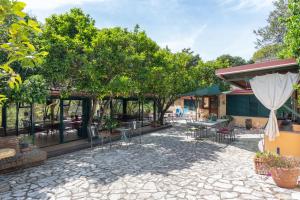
(92, 111)
(161, 114)
(161, 118)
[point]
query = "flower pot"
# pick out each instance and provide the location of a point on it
(260, 166)
(285, 177)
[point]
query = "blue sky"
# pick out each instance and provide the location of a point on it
(209, 27)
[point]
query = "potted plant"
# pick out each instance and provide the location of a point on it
(284, 170)
(228, 117)
(110, 123)
(260, 163)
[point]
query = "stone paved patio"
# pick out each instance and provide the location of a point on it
(166, 166)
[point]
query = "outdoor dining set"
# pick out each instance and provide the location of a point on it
(221, 130)
(126, 131)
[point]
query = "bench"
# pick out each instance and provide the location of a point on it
(13, 158)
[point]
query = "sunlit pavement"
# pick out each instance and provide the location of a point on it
(167, 165)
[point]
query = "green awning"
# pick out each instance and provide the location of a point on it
(210, 91)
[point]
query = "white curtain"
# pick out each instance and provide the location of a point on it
(273, 90)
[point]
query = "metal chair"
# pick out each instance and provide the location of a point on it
(137, 128)
(92, 133)
(191, 129)
(226, 133)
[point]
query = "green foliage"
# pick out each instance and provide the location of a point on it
(169, 76)
(110, 123)
(67, 37)
(231, 60)
(111, 61)
(267, 52)
(278, 161)
(16, 30)
(292, 37)
(34, 90)
(274, 31)
(204, 73)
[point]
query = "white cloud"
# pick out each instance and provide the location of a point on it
(184, 39)
(246, 4)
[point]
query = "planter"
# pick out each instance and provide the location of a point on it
(285, 177)
(248, 124)
(261, 166)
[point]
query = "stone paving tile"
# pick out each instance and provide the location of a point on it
(166, 166)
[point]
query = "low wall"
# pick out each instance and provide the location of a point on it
(287, 143)
(256, 121)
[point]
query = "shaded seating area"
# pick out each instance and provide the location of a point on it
(13, 157)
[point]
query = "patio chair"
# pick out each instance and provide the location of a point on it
(96, 133)
(190, 129)
(136, 127)
(226, 133)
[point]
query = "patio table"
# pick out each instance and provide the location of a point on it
(124, 131)
(208, 124)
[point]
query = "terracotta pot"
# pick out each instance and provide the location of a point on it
(261, 166)
(284, 177)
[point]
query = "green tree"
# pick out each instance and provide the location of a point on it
(274, 31)
(231, 60)
(16, 30)
(67, 38)
(267, 52)
(292, 37)
(108, 71)
(204, 73)
(117, 61)
(167, 78)
(195, 57)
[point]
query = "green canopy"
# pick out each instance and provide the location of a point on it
(210, 91)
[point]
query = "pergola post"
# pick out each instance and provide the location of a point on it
(142, 112)
(139, 110)
(17, 119)
(61, 121)
(154, 111)
(4, 119)
(111, 112)
(124, 108)
(32, 122)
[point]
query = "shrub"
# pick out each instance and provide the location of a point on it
(278, 161)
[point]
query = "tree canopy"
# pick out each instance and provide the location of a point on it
(105, 62)
(292, 37)
(16, 49)
(270, 38)
(274, 31)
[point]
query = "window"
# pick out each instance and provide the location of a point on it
(189, 104)
(245, 105)
(205, 102)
